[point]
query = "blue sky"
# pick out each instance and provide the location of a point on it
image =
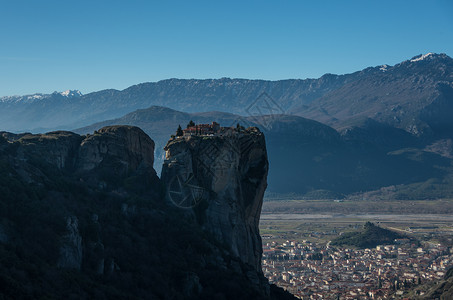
(51, 46)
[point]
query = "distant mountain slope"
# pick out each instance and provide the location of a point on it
(38, 111)
(414, 95)
(193, 95)
(312, 159)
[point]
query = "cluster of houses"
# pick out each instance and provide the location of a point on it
(311, 271)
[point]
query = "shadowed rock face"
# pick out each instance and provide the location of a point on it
(71, 248)
(87, 214)
(102, 160)
(111, 152)
(58, 148)
(220, 181)
(129, 145)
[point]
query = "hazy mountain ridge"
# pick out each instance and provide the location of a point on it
(229, 95)
(38, 96)
(312, 98)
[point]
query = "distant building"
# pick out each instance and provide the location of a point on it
(202, 129)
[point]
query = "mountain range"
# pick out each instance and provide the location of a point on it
(415, 95)
(410, 95)
(384, 131)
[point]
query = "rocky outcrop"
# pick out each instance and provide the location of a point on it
(220, 181)
(128, 145)
(102, 158)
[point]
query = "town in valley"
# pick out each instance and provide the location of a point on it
(298, 256)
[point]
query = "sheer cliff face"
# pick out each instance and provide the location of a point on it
(220, 180)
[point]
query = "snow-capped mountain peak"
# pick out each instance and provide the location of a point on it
(39, 97)
(25, 99)
(421, 57)
(383, 68)
(71, 93)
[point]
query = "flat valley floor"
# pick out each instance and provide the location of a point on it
(323, 220)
